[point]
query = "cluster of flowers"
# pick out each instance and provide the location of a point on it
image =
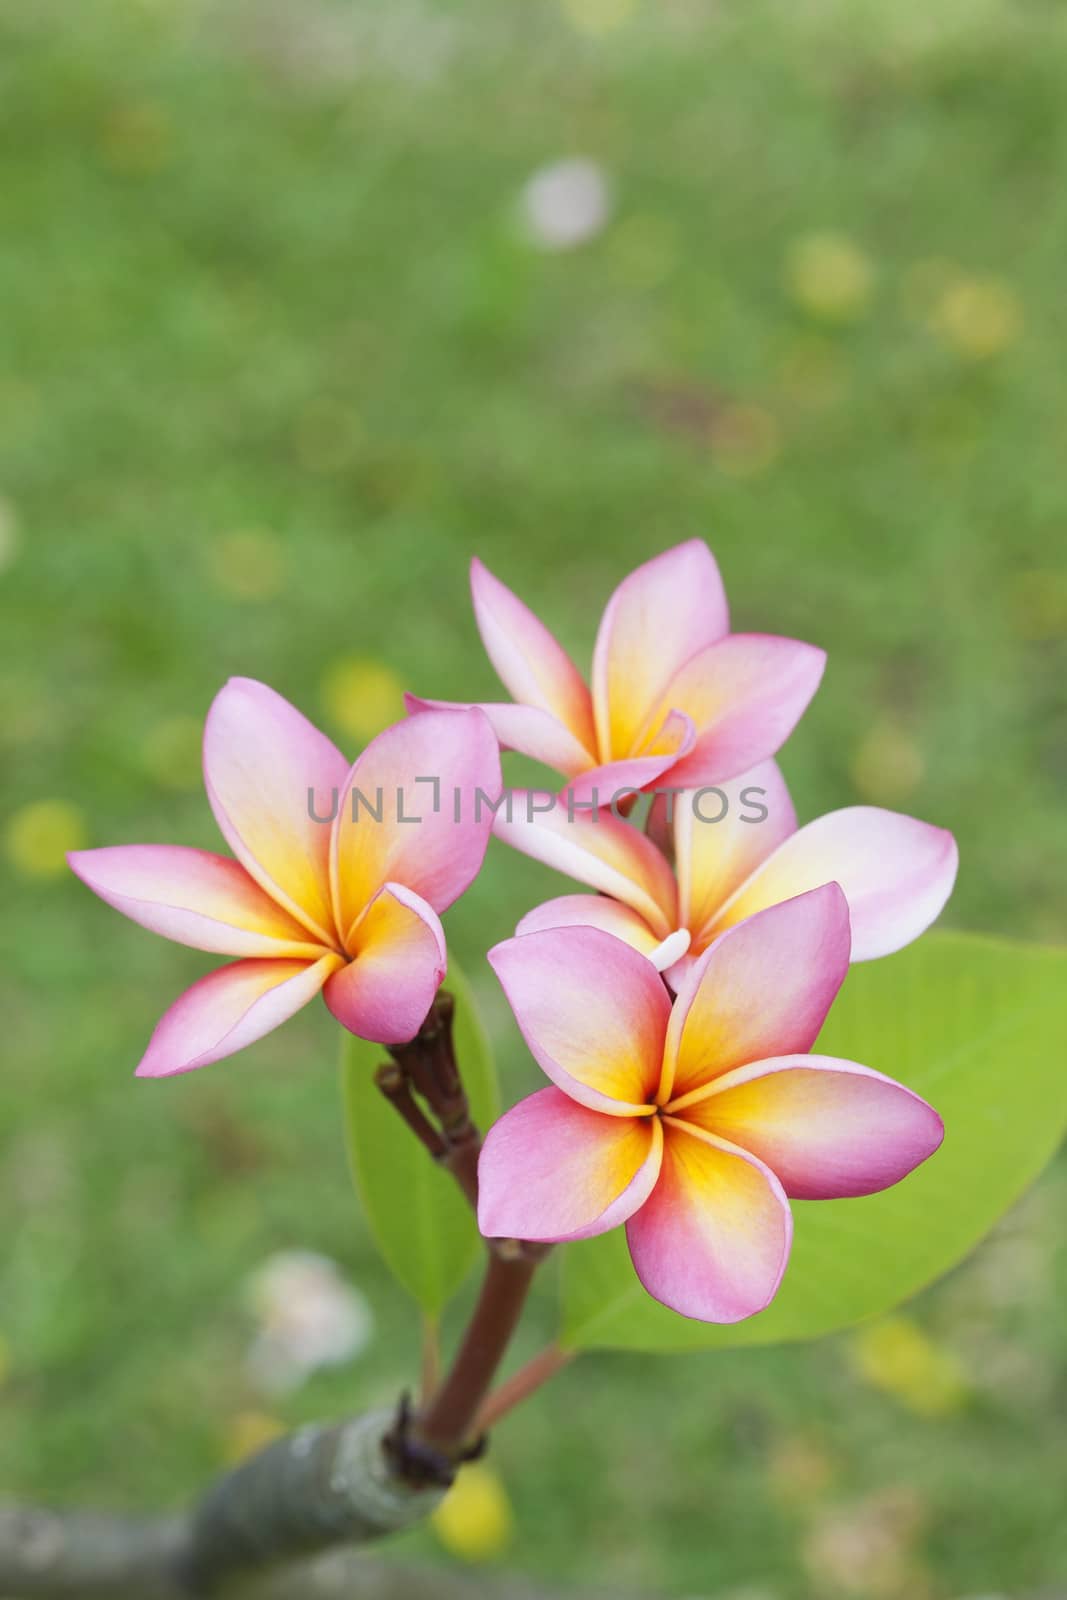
(674, 1010)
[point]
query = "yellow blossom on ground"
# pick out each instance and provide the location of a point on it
(171, 753)
(888, 765)
(247, 1432)
(248, 564)
(977, 318)
(896, 1356)
(38, 836)
(598, 17)
(362, 696)
(474, 1521)
(829, 276)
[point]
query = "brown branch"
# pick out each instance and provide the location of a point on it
(427, 1066)
(427, 1447)
(447, 1422)
(393, 1083)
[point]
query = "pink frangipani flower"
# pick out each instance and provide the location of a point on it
(349, 906)
(736, 849)
(693, 1124)
(674, 692)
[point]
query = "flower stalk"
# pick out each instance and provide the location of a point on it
(426, 1446)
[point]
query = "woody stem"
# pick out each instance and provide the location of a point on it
(447, 1422)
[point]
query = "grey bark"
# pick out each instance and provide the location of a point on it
(315, 1489)
(48, 1555)
(319, 1487)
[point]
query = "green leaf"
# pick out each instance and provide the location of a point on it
(973, 1024)
(421, 1223)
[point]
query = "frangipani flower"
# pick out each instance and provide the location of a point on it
(896, 872)
(674, 692)
(693, 1124)
(347, 905)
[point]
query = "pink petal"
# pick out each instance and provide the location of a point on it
(610, 783)
(663, 613)
(551, 1169)
(591, 911)
(592, 1011)
(675, 975)
(262, 763)
(597, 848)
(525, 729)
(417, 810)
(196, 898)
(896, 873)
(828, 1128)
(230, 1008)
(718, 837)
(531, 664)
(762, 989)
(713, 1240)
(399, 960)
(745, 694)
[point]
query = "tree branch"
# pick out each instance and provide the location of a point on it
(427, 1065)
(348, 1575)
(446, 1422)
(317, 1488)
(74, 1555)
(55, 1554)
(323, 1487)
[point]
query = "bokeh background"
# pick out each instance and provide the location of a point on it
(302, 306)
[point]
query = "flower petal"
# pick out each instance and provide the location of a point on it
(610, 783)
(525, 729)
(712, 1242)
(597, 848)
(398, 962)
(552, 1169)
(592, 911)
(659, 616)
(230, 1008)
(593, 1012)
(531, 664)
(263, 762)
(720, 836)
(745, 694)
(896, 871)
(410, 811)
(762, 989)
(827, 1128)
(194, 897)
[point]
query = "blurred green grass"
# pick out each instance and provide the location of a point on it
(275, 359)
